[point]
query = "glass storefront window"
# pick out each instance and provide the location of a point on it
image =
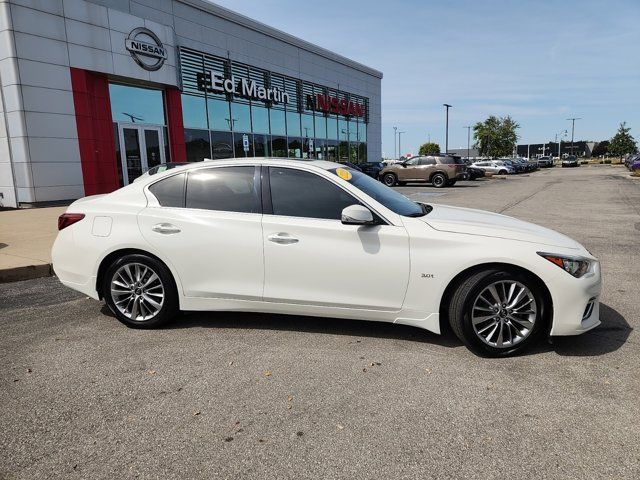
(343, 151)
(321, 126)
(221, 145)
(332, 128)
(318, 149)
(239, 145)
(307, 126)
(278, 125)
(279, 146)
(362, 132)
(293, 124)
(197, 144)
(219, 117)
(353, 152)
(362, 152)
(331, 151)
(241, 115)
(343, 133)
(260, 119)
(295, 148)
(262, 145)
(136, 105)
(194, 112)
(353, 130)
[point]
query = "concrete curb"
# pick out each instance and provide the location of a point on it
(26, 273)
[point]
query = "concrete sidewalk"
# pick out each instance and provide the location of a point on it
(26, 238)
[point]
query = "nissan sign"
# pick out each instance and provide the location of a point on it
(146, 49)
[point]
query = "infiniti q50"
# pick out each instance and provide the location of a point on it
(318, 238)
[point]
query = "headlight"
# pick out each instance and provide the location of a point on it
(574, 266)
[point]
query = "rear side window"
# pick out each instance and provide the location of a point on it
(448, 161)
(427, 161)
(229, 189)
(295, 193)
(170, 191)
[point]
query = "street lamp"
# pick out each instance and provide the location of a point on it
(400, 142)
(563, 133)
(573, 125)
(395, 134)
(446, 138)
(468, 127)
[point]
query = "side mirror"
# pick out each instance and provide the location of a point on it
(357, 215)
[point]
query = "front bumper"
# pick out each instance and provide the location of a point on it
(576, 302)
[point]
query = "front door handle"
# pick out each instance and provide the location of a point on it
(282, 238)
(165, 228)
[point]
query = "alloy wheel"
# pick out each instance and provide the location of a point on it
(137, 291)
(504, 314)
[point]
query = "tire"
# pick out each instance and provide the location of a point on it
(451, 183)
(503, 172)
(499, 331)
(140, 291)
(389, 179)
(439, 180)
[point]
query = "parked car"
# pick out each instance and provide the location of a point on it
(526, 164)
(473, 173)
(517, 167)
(372, 169)
(635, 164)
(251, 235)
(494, 166)
(349, 164)
(570, 161)
(163, 167)
(630, 159)
(439, 170)
(545, 162)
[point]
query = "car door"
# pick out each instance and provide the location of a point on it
(209, 228)
(410, 170)
(312, 258)
(426, 167)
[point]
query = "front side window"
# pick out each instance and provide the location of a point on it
(296, 193)
(229, 189)
(427, 161)
(170, 191)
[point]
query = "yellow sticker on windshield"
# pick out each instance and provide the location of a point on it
(343, 174)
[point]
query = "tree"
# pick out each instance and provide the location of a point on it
(429, 148)
(601, 148)
(496, 136)
(622, 142)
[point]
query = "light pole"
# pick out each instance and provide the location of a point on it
(563, 133)
(446, 136)
(468, 127)
(573, 126)
(400, 143)
(395, 133)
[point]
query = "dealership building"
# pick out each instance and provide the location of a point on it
(95, 93)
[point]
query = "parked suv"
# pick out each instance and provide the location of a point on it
(441, 171)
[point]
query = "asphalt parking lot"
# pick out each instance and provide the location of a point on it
(269, 397)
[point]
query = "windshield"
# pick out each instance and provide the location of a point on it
(391, 199)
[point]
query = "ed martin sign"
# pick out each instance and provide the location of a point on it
(146, 49)
(217, 83)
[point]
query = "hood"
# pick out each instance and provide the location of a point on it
(488, 224)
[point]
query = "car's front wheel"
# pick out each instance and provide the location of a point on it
(497, 313)
(389, 179)
(140, 291)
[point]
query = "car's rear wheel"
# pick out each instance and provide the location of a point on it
(503, 172)
(439, 180)
(140, 291)
(389, 179)
(497, 313)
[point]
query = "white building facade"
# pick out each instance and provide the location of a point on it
(94, 93)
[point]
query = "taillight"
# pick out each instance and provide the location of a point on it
(67, 219)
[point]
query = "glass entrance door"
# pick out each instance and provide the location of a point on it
(142, 148)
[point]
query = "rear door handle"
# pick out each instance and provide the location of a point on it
(165, 228)
(282, 238)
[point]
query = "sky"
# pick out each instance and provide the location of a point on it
(540, 62)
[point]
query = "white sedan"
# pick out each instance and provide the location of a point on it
(317, 238)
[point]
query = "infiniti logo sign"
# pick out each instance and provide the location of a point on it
(146, 49)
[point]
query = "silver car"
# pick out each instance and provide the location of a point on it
(494, 166)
